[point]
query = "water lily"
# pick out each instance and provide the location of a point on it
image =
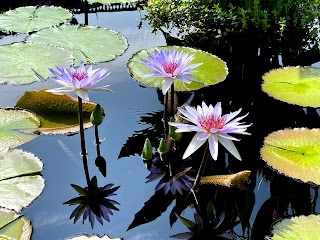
(79, 80)
(170, 65)
(94, 202)
(211, 126)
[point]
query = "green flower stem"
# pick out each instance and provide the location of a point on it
(82, 142)
(97, 139)
(172, 101)
(165, 115)
(202, 167)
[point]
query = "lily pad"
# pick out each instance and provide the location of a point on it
(297, 228)
(16, 126)
(294, 152)
(20, 182)
(92, 237)
(32, 18)
(58, 113)
(88, 44)
(14, 226)
(18, 60)
(108, 2)
(212, 71)
(294, 85)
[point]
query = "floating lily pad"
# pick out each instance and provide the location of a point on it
(212, 71)
(32, 18)
(297, 228)
(20, 182)
(88, 44)
(294, 152)
(92, 237)
(58, 113)
(14, 226)
(18, 60)
(16, 126)
(108, 2)
(294, 85)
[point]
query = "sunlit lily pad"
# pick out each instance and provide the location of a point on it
(92, 237)
(18, 60)
(58, 113)
(297, 228)
(16, 126)
(93, 44)
(14, 226)
(294, 152)
(32, 18)
(108, 2)
(212, 71)
(20, 182)
(294, 85)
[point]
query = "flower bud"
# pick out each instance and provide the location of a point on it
(172, 132)
(162, 149)
(147, 150)
(96, 115)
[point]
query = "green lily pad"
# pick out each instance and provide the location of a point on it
(20, 182)
(58, 113)
(294, 85)
(18, 60)
(14, 226)
(297, 228)
(212, 71)
(32, 18)
(108, 2)
(88, 44)
(16, 126)
(92, 237)
(294, 152)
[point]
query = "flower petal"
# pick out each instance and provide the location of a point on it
(166, 85)
(193, 145)
(82, 93)
(229, 145)
(213, 146)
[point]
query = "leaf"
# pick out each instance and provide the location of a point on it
(212, 71)
(188, 223)
(94, 43)
(16, 127)
(294, 152)
(92, 237)
(294, 85)
(152, 209)
(20, 60)
(297, 228)
(13, 226)
(32, 18)
(58, 113)
(19, 182)
(230, 180)
(108, 2)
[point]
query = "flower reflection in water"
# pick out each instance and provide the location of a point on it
(169, 182)
(94, 202)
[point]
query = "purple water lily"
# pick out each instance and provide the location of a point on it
(212, 126)
(79, 80)
(170, 65)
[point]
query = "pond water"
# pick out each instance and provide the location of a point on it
(134, 111)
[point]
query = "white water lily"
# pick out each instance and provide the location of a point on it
(212, 127)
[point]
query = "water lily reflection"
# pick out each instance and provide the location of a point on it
(94, 202)
(170, 65)
(79, 80)
(211, 126)
(169, 181)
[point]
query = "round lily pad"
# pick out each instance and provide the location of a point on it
(18, 60)
(16, 127)
(212, 71)
(297, 228)
(88, 44)
(58, 113)
(294, 152)
(108, 2)
(20, 182)
(294, 85)
(14, 226)
(32, 18)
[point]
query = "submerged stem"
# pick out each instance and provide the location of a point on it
(202, 166)
(82, 142)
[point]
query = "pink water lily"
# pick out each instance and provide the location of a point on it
(211, 126)
(79, 80)
(170, 65)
